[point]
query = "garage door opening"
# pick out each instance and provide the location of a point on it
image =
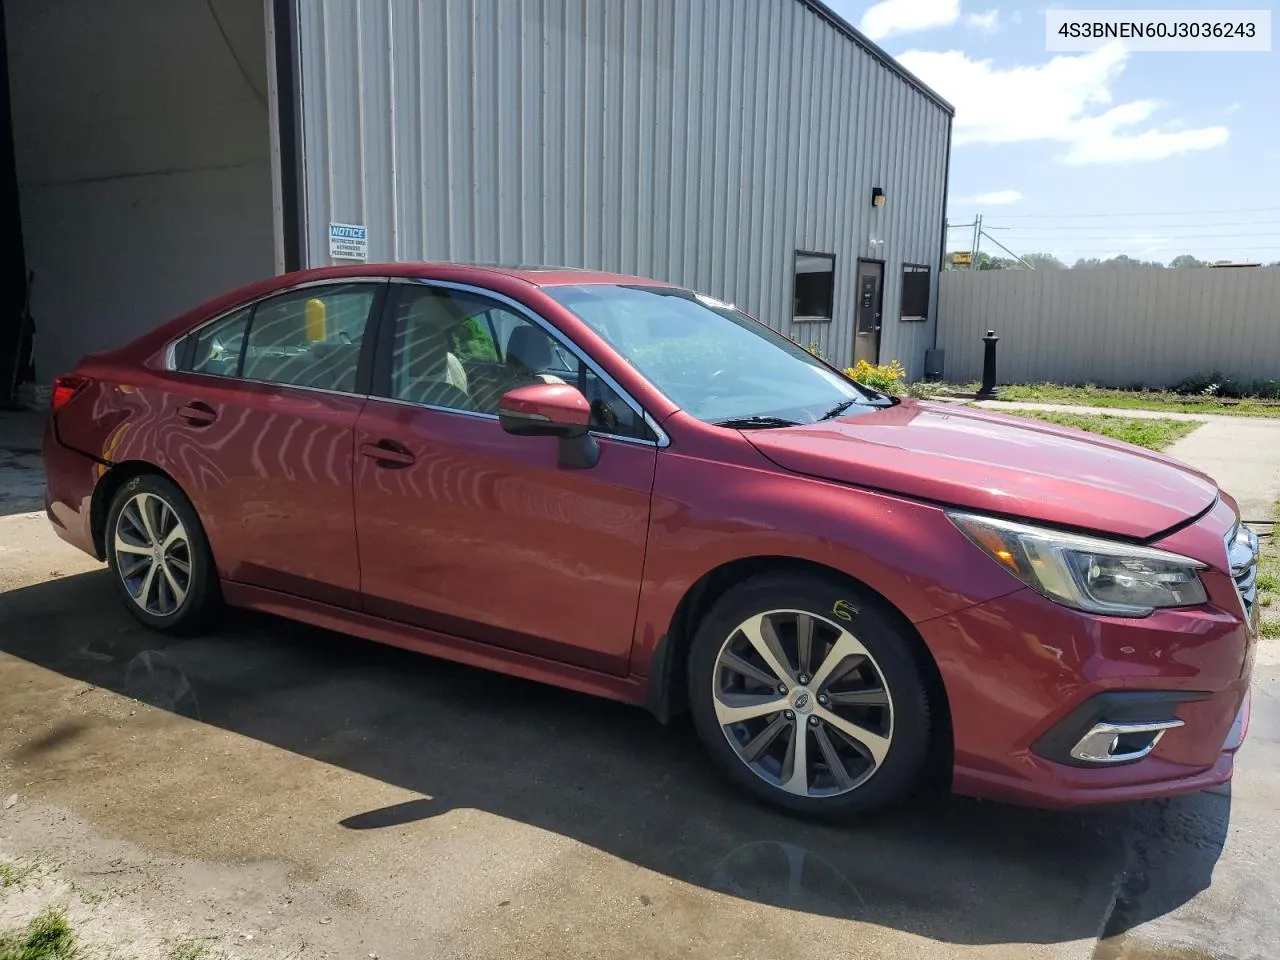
(141, 165)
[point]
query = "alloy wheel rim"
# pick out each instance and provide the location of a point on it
(153, 554)
(802, 703)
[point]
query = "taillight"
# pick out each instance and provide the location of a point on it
(64, 388)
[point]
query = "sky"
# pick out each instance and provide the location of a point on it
(1150, 154)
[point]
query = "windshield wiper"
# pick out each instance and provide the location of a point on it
(838, 409)
(755, 423)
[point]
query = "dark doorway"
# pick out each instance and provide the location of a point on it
(15, 335)
(866, 337)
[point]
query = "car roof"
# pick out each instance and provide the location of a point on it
(538, 276)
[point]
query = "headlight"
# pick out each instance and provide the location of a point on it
(1098, 576)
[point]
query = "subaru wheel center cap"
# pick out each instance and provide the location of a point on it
(802, 700)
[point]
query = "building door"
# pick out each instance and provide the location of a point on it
(15, 334)
(866, 338)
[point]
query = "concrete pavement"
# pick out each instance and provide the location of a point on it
(1114, 411)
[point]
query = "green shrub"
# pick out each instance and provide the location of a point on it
(1200, 384)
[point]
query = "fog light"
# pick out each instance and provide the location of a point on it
(1121, 742)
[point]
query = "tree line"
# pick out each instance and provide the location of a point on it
(1047, 261)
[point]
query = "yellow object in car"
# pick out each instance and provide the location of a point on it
(316, 320)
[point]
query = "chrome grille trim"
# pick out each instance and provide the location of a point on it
(1242, 556)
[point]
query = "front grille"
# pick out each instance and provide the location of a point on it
(1242, 553)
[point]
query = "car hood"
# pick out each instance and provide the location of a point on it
(994, 463)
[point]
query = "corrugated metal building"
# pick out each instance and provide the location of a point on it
(734, 146)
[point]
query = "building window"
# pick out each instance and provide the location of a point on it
(915, 292)
(815, 286)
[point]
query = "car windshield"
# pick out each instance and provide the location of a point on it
(713, 361)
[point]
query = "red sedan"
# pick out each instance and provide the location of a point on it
(630, 489)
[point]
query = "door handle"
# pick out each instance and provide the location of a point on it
(388, 453)
(198, 414)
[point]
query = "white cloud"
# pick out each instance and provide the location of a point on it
(907, 16)
(1232, 107)
(1068, 100)
(988, 22)
(996, 198)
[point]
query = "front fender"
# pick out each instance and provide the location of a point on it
(708, 514)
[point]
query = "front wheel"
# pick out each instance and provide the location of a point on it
(809, 696)
(157, 550)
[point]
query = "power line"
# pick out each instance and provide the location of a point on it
(1140, 226)
(1142, 213)
(1085, 253)
(1173, 239)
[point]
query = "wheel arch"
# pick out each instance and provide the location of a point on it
(104, 492)
(665, 694)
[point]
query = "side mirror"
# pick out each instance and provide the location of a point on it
(552, 410)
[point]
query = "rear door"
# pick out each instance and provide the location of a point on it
(468, 530)
(259, 430)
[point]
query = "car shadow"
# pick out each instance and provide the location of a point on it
(609, 776)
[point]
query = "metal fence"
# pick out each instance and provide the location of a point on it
(1113, 327)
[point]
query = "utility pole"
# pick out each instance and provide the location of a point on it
(977, 242)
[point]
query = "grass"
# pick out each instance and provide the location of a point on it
(1166, 401)
(11, 874)
(47, 937)
(192, 950)
(1269, 583)
(1152, 434)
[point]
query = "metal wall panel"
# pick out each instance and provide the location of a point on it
(697, 141)
(1113, 327)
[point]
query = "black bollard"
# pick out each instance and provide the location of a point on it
(989, 366)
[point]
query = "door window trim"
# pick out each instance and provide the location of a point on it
(174, 357)
(387, 332)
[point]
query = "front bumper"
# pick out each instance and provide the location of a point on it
(1027, 679)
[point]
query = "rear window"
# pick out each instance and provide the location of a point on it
(305, 338)
(216, 348)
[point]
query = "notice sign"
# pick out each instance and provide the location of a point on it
(348, 241)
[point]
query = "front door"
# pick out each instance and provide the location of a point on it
(468, 530)
(866, 339)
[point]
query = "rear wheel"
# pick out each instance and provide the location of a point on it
(158, 552)
(810, 696)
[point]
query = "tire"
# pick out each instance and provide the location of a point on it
(188, 598)
(875, 687)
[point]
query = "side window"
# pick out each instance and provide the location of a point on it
(463, 351)
(309, 338)
(217, 346)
